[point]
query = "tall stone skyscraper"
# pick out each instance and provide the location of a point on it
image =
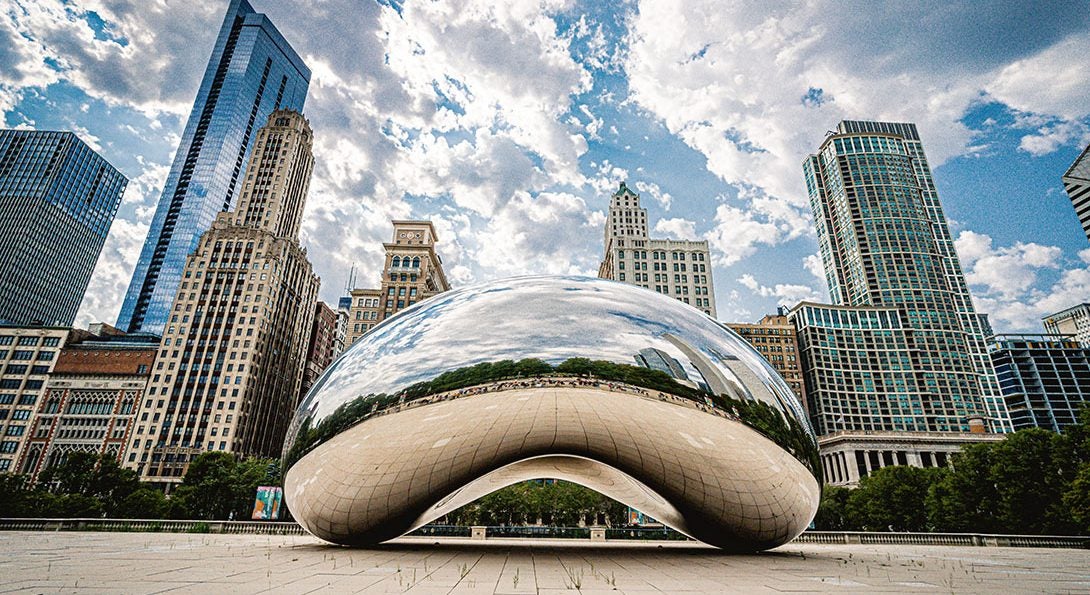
(253, 71)
(413, 272)
(902, 349)
(681, 269)
(230, 366)
(1077, 184)
(58, 199)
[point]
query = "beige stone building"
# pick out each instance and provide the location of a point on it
(1072, 321)
(777, 340)
(27, 357)
(230, 366)
(681, 269)
(412, 272)
(91, 398)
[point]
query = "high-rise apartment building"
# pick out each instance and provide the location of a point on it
(1077, 184)
(885, 243)
(776, 338)
(252, 72)
(90, 399)
(681, 269)
(1072, 321)
(1045, 379)
(321, 347)
(413, 272)
(901, 350)
(27, 357)
(58, 198)
(230, 366)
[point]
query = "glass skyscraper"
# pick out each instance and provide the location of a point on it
(885, 244)
(58, 199)
(252, 72)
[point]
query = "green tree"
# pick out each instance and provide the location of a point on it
(84, 479)
(144, 503)
(17, 500)
(1030, 483)
(832, 514)
(965, 498)
(218, 486)
(893, 499)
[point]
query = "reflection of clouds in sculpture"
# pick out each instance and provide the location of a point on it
(622, 389)
(527, 317)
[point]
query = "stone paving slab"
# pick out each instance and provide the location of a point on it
(61, 562)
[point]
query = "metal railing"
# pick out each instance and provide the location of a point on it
(611, 533)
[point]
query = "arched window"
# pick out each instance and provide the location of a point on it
(416, 262)
(397, 261)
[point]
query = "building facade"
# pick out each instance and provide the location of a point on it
(776, 338)
(58, 198)
(1074, 321)
(230, 366)
(1045, 379)
(27, 357)
(681, 269)
(412, 272)
(885, 244)
(322, 347)
(90, 399)
(847, 457)
(252, 72)
(1076, 182)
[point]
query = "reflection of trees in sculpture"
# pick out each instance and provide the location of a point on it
(762, 417)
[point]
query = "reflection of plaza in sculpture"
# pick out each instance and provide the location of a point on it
(611, 386)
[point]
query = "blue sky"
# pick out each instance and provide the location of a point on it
(510, 123)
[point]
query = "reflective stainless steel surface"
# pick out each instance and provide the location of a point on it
(619, 388)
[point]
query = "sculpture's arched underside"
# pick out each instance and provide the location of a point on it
(630, 393)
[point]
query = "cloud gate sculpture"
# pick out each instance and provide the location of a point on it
(618, 388)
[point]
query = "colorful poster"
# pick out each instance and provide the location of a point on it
(267, 503)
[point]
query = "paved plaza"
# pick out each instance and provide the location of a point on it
(47, 562)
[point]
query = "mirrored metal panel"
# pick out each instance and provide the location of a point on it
(482, 379)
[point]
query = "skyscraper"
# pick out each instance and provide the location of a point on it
(1077, 184)
(58, 199)
(885, 242)
(253, 71)
(902, 349)
(1045, 379)
(413, 272)
(679, 268)
(230, 366)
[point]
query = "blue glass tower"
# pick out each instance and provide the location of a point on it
(57, 201)
(252, 72)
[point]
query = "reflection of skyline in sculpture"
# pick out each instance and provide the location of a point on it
(420, 412)
(657, 359)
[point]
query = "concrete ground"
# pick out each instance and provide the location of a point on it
(44, 562)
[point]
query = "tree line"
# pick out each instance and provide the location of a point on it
(1032, 482)
(217, 486)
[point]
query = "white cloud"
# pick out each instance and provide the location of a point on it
(1006, 280)
(652, 190)
(1007, 271)
(1051, 137)
(813, 264)
(787, 294)
(1054, 81)
(676, 228)
(737, 234)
